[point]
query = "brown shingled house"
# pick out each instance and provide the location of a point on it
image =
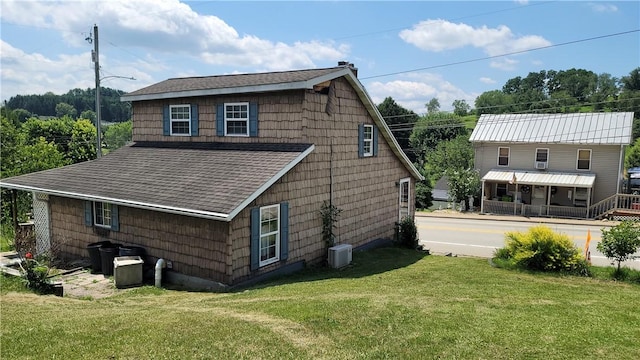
(227, 174)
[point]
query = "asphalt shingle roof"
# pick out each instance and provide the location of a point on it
(232, 81)
(209, 178)
(612, 128)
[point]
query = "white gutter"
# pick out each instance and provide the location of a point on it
(134, 204)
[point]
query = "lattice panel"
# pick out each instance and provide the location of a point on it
(626, 218)
(41, 222)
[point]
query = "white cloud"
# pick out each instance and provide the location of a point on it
(441, 35)
(169, 27)
(487, 80)
(600, 7)
(414, 90)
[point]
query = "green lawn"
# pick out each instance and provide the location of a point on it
(390, 303)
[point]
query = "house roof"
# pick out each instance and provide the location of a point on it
(269, 82)
(541, 178)
(612, 128)
(208, 180)
(235, 84)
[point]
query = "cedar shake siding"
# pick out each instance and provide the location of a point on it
(279, 118)
(190, 199)
(197, 247)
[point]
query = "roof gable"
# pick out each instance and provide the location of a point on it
(613, 128)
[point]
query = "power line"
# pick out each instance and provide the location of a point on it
(502, 55)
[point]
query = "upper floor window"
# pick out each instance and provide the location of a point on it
(367, 140)
(180, 120)
(236, 119)
(584, 159)
(503, 156)
(542, 158)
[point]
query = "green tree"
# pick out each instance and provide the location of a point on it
(463, 183)
(620, 242)
(454, 154)
(433, 129)
(494, 102)
(89, 115)
(433, 106)
(399, 120)
(40, 155)
(117, 135)
(631, 81)
(64, 109)
(460, 107)
(632, 156)
(10, 145)
(83, 142)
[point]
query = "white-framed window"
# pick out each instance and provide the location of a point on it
(503, 156)
(102, 214)
(542, 155)
(583, 161)
(269, 234)
(404, 197)
(367, 140)
(236, 119)
(180, 120)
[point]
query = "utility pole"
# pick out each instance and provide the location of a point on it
(96, 60)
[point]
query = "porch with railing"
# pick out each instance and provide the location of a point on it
(618, 203)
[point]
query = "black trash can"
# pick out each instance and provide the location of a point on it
(94, 255)
(107, 254)
(127, 250)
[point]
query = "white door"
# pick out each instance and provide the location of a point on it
(404, 198)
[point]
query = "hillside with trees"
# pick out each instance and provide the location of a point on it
(74, 103)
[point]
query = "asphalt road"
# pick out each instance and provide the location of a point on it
(480, 237)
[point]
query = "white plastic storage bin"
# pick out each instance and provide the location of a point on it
(127, 271)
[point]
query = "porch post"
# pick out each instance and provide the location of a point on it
(548, 199)
(515, 198)
(588, 202)
(482, 199)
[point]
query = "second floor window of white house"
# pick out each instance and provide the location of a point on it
(368, 140)
(503, 156)
(584, 159)
(542, 155)
(236, 119)
(102, 213)
(180, 119)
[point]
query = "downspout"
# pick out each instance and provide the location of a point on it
(620, 169)
(160, 264)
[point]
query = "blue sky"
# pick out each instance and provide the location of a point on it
(406, 50)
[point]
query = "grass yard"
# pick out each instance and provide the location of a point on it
(391, 303)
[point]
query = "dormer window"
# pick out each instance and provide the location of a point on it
(180, 117)
(236, 119)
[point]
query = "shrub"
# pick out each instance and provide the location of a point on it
(620, 242)
(542, 249)
(329, 214)
(408, 233)
(36, 275)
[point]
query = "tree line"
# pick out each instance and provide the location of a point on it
(438, 142)
(75, 103)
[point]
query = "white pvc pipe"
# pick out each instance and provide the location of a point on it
(160, 264)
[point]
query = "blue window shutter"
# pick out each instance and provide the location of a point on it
(166, 121)
(220, 120)
(375, 141)
(88, 213)
(284, 231)
(115, 222)
(194, 120)
(253, 119)
(255, 238)
(361, 140)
